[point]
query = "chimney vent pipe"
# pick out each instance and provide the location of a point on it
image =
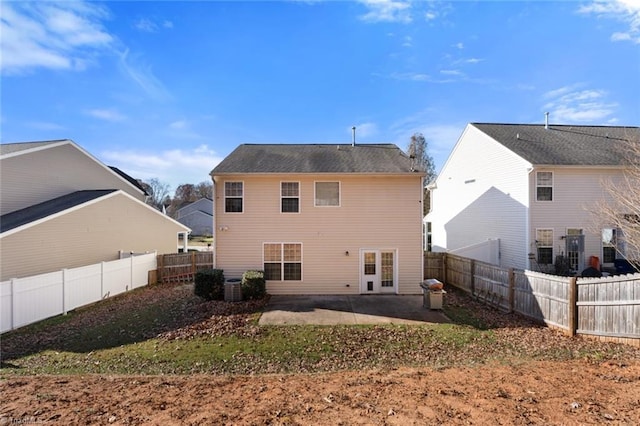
(546, 120)
(353, 140)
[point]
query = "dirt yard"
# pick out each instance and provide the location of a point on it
(574, 392)
(574, 389)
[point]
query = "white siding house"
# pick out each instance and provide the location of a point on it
(320, 219)
(62, 208)
(532, 187)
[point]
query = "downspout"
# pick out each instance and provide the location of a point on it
(214, 229)
(527, 219)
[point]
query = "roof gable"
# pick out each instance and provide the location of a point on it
(9, 150)
(562, 144)
(315, 158)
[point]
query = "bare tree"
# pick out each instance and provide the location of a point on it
(188, 193)
(622, 210)
(418, 152)
(158, 192)
(204, 189)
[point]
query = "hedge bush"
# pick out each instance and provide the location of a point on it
(253, 285)
(209, 284)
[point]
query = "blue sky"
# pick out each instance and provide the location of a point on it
(168, 89)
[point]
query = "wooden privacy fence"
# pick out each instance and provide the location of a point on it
(607, 307)
(182, 267)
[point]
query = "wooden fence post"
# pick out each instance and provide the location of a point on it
(472, 267)
(444, 268)
(573, 306)
(193, 264)
(160, 266)
(512, 290)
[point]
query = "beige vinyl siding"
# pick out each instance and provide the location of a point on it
(481, 194)
(381, 212)
(576, 194)
(90, 234)
(39, 176)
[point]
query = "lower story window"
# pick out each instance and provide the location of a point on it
(544, 243)
(282, 261)
(609, 245)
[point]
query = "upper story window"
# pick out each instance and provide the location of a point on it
(289, 197)
(544, 186)
(233, 197)
(327, 194)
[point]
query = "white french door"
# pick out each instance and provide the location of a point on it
(377, 271)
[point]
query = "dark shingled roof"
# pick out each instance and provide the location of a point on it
(129, 179)
(562, 144)
(27, 215)
(315, 158)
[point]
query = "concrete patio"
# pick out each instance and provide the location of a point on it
(357, 309)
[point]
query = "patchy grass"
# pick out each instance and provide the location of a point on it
(167, 330)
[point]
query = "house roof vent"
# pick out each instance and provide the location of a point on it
(353, 140)
(546, 120)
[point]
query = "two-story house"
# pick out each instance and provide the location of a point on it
(320, 218)
(62, 208)
(533, 188)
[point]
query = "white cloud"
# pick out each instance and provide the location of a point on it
(459, 45)
(175, 166)
(570, 104)
(51, 35)
(146, 25)
(410, 76)
(143, 76)
(178, 125)
(467, 61)
(430, 16)
(408, 41)
(106, 114)
(364, 130)
(453, 73)
(149, 26)
(626, 11)
(387, 11)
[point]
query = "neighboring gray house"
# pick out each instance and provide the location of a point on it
(198, 216)
(532, 189)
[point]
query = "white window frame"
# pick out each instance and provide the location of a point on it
(315, 193)
(224, 188)
(538, 185)
(282, 259)
(282, 197)
(544, 246)
(612, 244)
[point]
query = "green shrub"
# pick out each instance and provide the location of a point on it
(209, 284)
(253, 285)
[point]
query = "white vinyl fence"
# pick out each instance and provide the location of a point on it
(24, 301)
